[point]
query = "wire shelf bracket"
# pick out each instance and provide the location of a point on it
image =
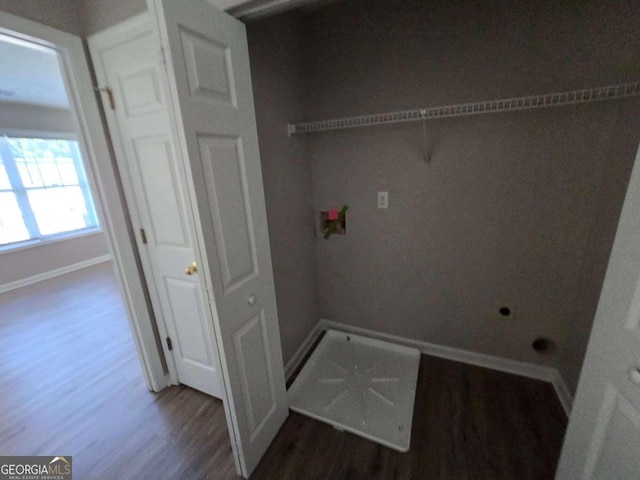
(573, 97)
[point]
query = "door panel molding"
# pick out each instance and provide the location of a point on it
(169, 213)
(257, 379)
(204, 60)
(228, 221)
(614, 406)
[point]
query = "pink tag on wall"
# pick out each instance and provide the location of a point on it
(333, 214)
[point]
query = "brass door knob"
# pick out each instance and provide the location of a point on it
(191, 269)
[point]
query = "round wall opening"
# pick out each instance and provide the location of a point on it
(542, 345)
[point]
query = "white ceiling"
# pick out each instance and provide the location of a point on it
(30, 74)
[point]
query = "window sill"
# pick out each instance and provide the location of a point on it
(27, 244)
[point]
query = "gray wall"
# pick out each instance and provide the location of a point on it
(60, 14)
(100, 14)
(518, 208)
(278, 84)
(28, 262)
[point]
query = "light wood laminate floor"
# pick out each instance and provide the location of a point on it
(71, 384)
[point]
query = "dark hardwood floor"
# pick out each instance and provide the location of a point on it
(71, 384)
(469, 423)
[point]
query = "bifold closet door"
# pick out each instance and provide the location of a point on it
(128, 62)
(210, 78)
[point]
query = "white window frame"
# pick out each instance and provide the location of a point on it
(85, 185)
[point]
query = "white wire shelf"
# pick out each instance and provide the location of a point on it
(597, 94)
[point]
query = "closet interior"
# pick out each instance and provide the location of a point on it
(353, 238)
(502, 141)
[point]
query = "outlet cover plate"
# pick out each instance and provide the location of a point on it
(383, 199)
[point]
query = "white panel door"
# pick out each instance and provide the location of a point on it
(208, 56)
(603, 437)
(128, 60)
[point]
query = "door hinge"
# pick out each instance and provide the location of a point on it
(169, 344)
(143, 236)
(107, 90)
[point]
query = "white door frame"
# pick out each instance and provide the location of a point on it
(105, 186)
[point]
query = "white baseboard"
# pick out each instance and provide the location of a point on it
(539, 372)
(23, 282)
(564, 395)
(297, 358)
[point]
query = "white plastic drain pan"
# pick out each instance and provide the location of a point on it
(364, 386)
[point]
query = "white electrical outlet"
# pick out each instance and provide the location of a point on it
(383, 199)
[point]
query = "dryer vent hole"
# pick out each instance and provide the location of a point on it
(542, 345)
